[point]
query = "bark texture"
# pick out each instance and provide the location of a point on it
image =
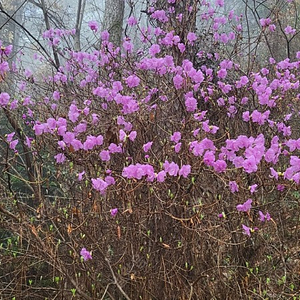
(113, 20)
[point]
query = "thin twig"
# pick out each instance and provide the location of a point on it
(116, 281)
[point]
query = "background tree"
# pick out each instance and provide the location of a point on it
(113, 19)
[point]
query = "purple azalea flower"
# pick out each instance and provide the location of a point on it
(222, 215)
(250, 165)
(233, 187)
(147, 146)
(10, 136)
(104, 155)
(220, 166)
(90, 142)
(99, 185)
(289, 30)
(247, 230)
(185, 171)
(161, 176)
(86, 255)
(132, 135)
(80, 175)
(253, 188)
(191, 37)
(280, 187)
(175, 137)
(171, 168)
(264, 217)
(178, 81)
(132, 81)
(246, 206)
(154, 49)
(60, 158)
(93, 25)
(113, 212)
(132, 21)
(73, 113)
(109, 180)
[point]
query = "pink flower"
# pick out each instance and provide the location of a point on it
(280, 187)
(39, 129)
(191, 37)
(160, 15)
(51, 122)
(132, 135)
(113, 212)
(56, 95)
(289, 30)
(132, 81)
(242, 82)
(190, 103)
(128, 46)
(222, 215)
(263, 217)
(7, 50)
(233, 187)
(113, 148)
(185, 171)
(81, 127)
(253, 188)
(220, 166)
(109, 180)
(77, 145)
(93, 25)
(147, 146)
(274, 174)
(246, 206)
(122, 135)
(73, 113)
(99, 139)
(171, 168)
(265, 22)
(28, 141)
(80, 175)
(181, 47)
(99, 185)
(177, 147)
(69, 137)
(105, 35)
(4, 99)
(209, 158)
(4, 67)
(220, 3)
(175, 137)
(86, 255)
(132, 21)
(90, 142)
(178, 81)
(247, 230)
(10, 136)
(161, 176)
(154, 49)
(272, 27)
(13, 144)
(104, 155)
(250, 165)
(60, 158)
(222, 73)
(138, 171)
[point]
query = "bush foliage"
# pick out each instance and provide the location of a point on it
(165, 172)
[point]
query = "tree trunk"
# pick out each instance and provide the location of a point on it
(113, 20)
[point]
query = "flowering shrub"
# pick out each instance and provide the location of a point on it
(150, 159)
